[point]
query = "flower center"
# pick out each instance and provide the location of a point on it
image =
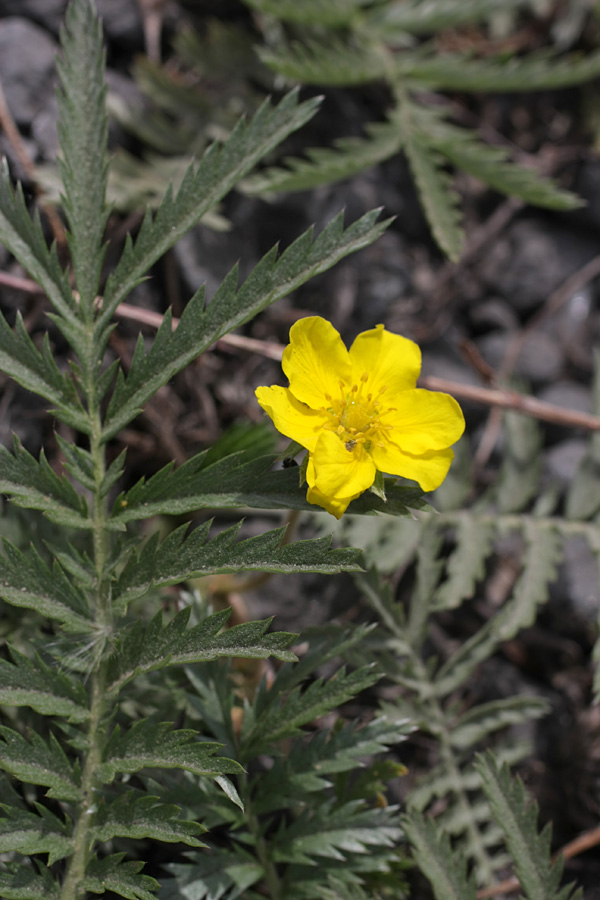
(354, 416)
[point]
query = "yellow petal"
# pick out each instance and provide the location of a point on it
(428, 469)
(315, 361)
(390, 360)
(422, 421)
(336, 475)
(292, 418)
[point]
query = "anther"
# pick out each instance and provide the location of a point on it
(364, 376)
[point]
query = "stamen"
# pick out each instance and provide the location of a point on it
(364, 376)
(354, 388)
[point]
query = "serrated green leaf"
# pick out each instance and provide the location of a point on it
(24, 238)
(36, 762)
(540, 878)
(333, 14)
(534, 72)
(334, 62)
(28, 833)
(37, 371)
(34, 684)
(233, 482)
(184, 555)
(78, 462)
(273, 278)
(26, 581)
(149, 744)
(436, 191)
(305, 769)
(440, 781)
(146, 648)
(34, 485)
(143, 816)
(485, 718)
(21, 883)
(466, 565)
(326, 165)
(418, 17)
(336, 833)
(437, 860)
(492, 165)
(203, 185)
(123, 878)
(83, 135)
(285, 719)
(542, 555)
(212, 875)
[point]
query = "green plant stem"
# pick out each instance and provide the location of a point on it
(272, 879)
(438, 726)
(73, 885)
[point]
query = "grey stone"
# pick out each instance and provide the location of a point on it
(48, 13)
(540, 361)
(563, 459)
(533, 259)
(581, 578)
(27, 59)
(44, 130)
(569, 395)
(122, 20)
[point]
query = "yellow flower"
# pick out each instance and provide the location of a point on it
(358, 411)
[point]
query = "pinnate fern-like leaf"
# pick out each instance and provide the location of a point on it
(32, 683)
(310, 767)
(22, 236)
(492, 165)
(334, 14)
(203, 185)
(419, 17)
(334, 833)
(37, 371)
(35, 485)
(486, 718)
(38, 762)
(540, 878)
(122, 878)
(466, 565)
(285, 717)
(146, 648)
(438, 861)
(273, 278)
(325, 165)
(182, 556)
(534, 72)
(83, 134)
(19, 882)
(336, 62)
(26, 833)
(26, 581)
(542, 555)
(434, 184)
(154, 745)
(233, 482)
(144, 816)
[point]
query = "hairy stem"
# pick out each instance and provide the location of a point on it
(272, 879)
(73, 885)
